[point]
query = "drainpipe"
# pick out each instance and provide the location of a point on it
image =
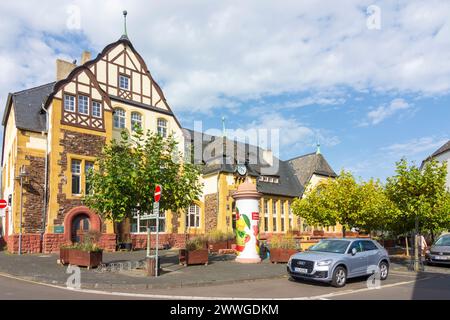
(44, 210)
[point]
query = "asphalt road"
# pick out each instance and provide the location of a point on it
(400, 285)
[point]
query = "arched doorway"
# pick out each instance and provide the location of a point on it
(80, 226)
(78, 221)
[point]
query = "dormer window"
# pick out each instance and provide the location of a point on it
(124, 82)
(83, 105)
(69, 103)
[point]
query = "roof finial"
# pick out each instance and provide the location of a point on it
(125, 34)
(318, 147)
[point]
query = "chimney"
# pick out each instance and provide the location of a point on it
(268, 157)
(85, 57)
(63, 68)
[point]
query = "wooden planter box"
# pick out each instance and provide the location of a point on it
(193, 257)
(85, 258)
(318, 233)
(216, 246)
(281, 255)
(64, 255)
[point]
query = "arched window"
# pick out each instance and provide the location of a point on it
(119, 118)
(136, 121)
(193, 216)
(162, 127)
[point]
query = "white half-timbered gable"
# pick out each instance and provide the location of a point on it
(83, 102)
(122, 73)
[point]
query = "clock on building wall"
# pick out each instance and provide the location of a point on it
(241, 169)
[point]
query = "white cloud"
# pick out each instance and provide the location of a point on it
(385, 111)
(419, 146)
(286, 136)
(207, 57)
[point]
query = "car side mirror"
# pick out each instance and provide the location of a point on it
(354, 251)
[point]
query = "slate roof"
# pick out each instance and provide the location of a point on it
(307, 165)
(288, 182)
(27, 107)
(441, 150)
(444, 148)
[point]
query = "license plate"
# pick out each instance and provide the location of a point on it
(440, 258)
(301, 270)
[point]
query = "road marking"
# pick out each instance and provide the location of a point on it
(178, 297)
(341, 293)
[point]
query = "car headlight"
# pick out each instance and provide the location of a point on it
(290, 260)
(324, 262)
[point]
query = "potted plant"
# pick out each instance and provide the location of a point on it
(282, 248)
(318, 233)
(64, 254)
(217, 240)
(196, 252)
(86, 254)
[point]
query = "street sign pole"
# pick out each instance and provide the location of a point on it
(157, 197)
(156, 208)
(148, 242)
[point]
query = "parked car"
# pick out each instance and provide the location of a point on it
(439, 252)
(336, 260)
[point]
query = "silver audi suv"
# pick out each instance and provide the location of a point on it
(336, 260)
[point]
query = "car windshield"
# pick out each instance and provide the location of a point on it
(443, 241)
(334, 246)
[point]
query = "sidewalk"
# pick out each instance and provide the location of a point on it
(221, 270)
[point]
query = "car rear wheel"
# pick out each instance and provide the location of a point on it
(339, 277)
(384, 270)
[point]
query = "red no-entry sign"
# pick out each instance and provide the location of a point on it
(3, 204)
(157, 193)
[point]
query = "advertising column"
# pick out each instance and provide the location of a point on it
(247, 223)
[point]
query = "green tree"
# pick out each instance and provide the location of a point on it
(420, 195)
(128, 170)
(345, 201)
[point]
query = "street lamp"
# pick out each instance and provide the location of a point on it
(22, 174)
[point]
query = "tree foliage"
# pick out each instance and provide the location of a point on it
(345, 201)
(420, 193)
(128, 170)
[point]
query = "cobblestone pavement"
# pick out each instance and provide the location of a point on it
(125, 271)
(220, 270)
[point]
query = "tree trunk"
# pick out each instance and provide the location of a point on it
(407, 246)
(432, 236)
(343, 231)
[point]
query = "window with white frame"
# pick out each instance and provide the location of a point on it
(76, 176)
(83, 104)
(124, 82)
(136, 121)
(119, 118)
(193, 216)
(266, 214)
(140, 223)
(88, 166)
(291, 216)
(266, 206)
(69, 103)
(96, 109)
(162, 127)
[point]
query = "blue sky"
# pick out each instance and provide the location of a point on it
(371, 86)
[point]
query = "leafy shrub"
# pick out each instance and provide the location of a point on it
(89, 243)
(283, 242)
(218, 236)
(195, 243)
